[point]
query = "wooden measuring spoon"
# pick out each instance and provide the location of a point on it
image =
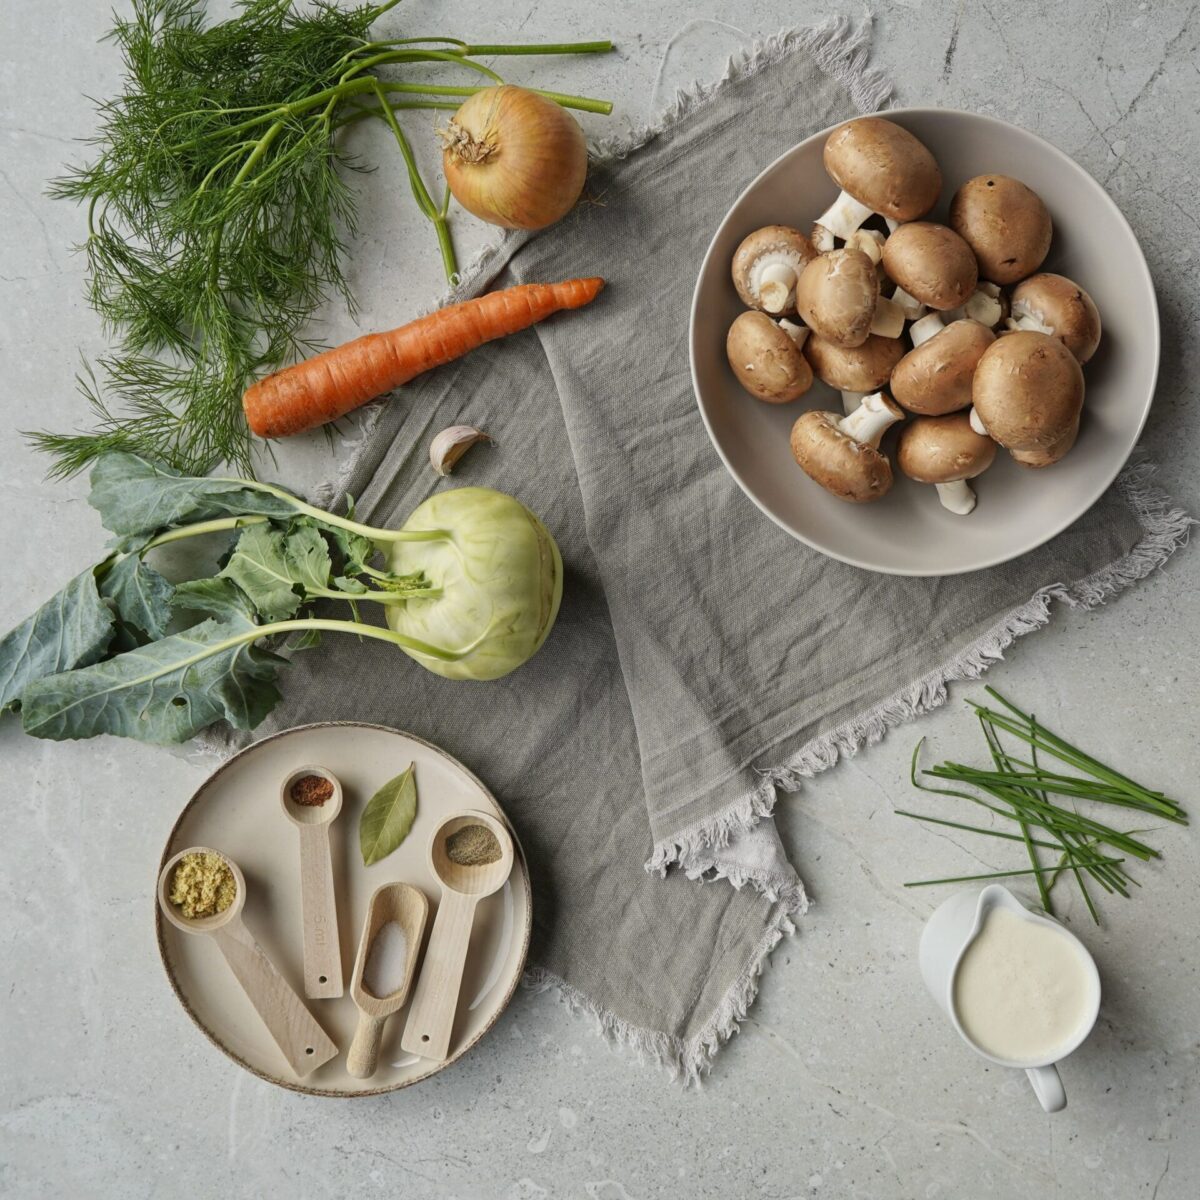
(318, 903)
(408, 907)
(431, 1018)
(304, 1043)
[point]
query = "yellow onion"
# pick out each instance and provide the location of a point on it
(514, 158)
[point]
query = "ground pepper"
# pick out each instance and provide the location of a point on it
(311, 790)
(472, 846)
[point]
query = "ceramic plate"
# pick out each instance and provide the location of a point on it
(237, 811)
(908, 532)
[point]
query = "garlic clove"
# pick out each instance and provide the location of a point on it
(451, 444)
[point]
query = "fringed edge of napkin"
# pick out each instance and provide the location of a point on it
(687, 1059)
(1165, 529)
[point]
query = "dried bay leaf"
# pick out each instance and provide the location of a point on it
(388, 817)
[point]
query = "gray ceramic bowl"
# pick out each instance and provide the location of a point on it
(908, 532)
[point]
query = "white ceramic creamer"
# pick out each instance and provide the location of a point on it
(1021, 990)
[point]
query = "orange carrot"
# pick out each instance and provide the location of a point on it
(326, 387)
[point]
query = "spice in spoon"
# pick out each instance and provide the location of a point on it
(472, 846)
(311, 791)
(202, 885)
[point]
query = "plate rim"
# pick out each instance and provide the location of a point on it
(1054, 528)
(290, 1084)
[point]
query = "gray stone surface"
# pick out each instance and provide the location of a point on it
(843, 1082)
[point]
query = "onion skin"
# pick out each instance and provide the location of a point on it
(514, 158)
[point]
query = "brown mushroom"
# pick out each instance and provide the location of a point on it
(842, 453)
(881, 168)
(864, 368)
(1036, 459)
(767, 265)
(767, 359)
(1005, 223)
(1055, 305)
(931, 263)
(838, 298)
(935, 377)
(1027, 392)
(946, 452)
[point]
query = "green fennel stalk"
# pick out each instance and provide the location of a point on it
(218, 209)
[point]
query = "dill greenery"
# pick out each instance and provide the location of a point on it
(218, 208)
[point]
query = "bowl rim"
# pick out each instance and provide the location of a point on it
(1103, 481)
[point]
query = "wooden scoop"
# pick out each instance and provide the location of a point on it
(318, 904)
(304, 1043)
(408, 907)
(431, 1018)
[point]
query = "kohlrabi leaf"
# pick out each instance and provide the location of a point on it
(71, 629)
(388, 817)
(163, 692)
(356, 550)
(277, 569)
(142, 597)
(135, 496)
(220, 598)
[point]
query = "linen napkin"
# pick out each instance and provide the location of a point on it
(694, 672)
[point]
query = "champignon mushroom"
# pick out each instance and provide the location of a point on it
(946, 452)
(1027, 392)
(864, 368)
(881, 168)
(1005, 223)
(766, 357)
(838, 298)
(842, 453)
(935, 378)
(767, 265)
(1048, 457)
(1055, 305)
(931, 263)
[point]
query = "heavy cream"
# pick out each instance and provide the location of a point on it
(1023, 990)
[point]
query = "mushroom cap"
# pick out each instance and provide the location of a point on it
(850, 470)
(1027, 390)
(1005, 223)
(931, 263)
(864, 368)
(837, 294)
(935, 378)
(884, 167)
(1036, 459)
(1063, 307)
(779, 242)
(943, 449)
(767, 363)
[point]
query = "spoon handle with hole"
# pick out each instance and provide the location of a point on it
(363, 1056)
(318, 915)
(431, 1017)
(304, 1043)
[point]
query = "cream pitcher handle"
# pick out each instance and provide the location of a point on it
(1047, 1086)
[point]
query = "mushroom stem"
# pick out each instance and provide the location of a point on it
(928, 326)
(822, 239)
(1023, 317)
(888, 320)
(957, 496)
(892, 226)
(870, 420)
(798, 333)
(851, 400)
(912, 308)
(977, 424)
(869, 241)
(777, 286)
(844, 216)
